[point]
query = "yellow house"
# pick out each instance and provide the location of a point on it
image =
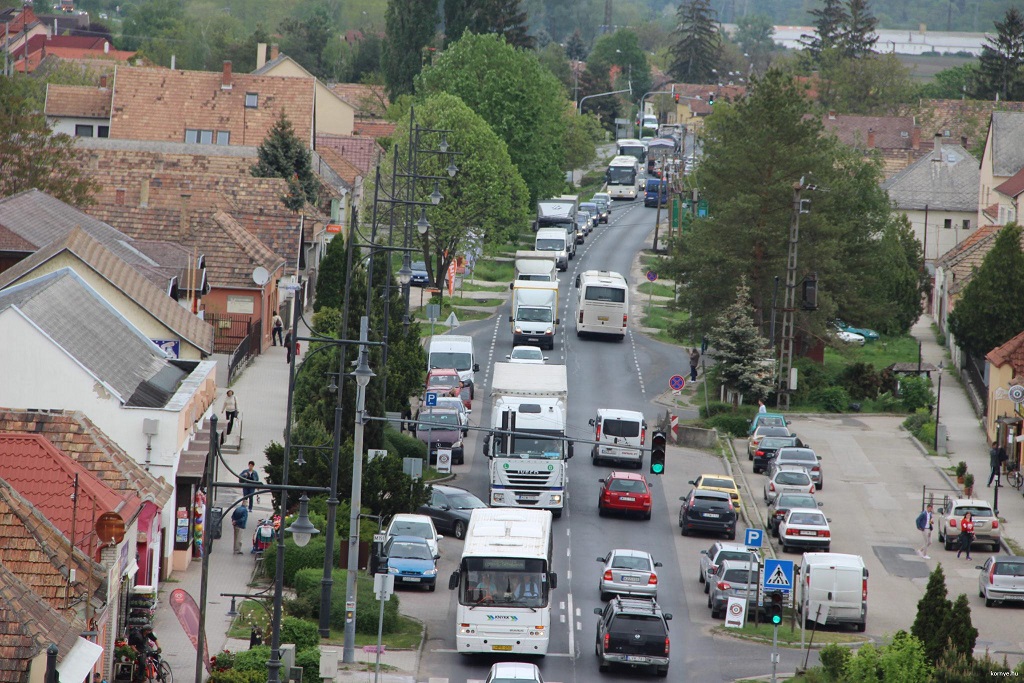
(1002, 160)
(331, 114)
(1003, 419)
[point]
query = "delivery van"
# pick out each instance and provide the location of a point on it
(620, 436)
(555, 241)
(833, 589)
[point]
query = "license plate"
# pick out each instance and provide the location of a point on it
(603, 317)
(630, 579)
(1014, 597)
(501, 648)
(628, 499)
(637, 658)
(712, 515)
(808, 532)
(412, 579)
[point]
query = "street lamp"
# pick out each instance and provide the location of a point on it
(302, 530)
(938, 403)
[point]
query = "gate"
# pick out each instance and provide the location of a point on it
(230, 329)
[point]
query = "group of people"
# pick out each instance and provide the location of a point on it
(491, 587)
(925, 523)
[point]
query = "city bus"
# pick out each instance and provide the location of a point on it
(633, 148)
(504, 583)
(623, 176)
(602, 303)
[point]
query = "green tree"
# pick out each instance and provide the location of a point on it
(987, 315)
(502, 17)
(933, 613)
(575, 48)
(1000, 71)
(829, 21)
(695, 43)
(871, 84)
(31, 155)
(306, 39)
(487, 196)
(553, 57)
(620, 52)
(365, 60)
(513, 93)
(283, 155)
(157, 28)
(582, 133)
(387, 490)
(901, 281)
(952, 83)
(330, 281)
(754, 35)
(743, 356)
(408, 31)
(960, 632)
(858, 36)
(606, 108)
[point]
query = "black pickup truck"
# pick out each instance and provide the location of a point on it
(632, 632)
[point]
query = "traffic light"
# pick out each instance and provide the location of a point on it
(711, 99)
(677, 98)
(658, 453)
(775, 607)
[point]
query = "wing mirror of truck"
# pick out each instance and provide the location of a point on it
(476, 367)
(553, 580)
(511, 319)
(487, 445)
(577, 282)
(511, 285)
(558, 321)
(591, 422)
(571, 451)
(598, 611)
(453, 581)
(668, 617)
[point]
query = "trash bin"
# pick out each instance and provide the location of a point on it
(216, 521)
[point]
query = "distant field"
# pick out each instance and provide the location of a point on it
(924, 68)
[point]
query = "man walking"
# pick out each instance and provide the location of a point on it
(996, 457)
(277, 332)
(924, 525)
(252, 476)
(239, 518)
(694, 362)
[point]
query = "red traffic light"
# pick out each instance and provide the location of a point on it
(677, 98)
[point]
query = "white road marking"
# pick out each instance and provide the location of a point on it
(572, 635)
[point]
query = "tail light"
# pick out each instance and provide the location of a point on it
(608, 575)
(666, 646)
(623, 319)
(724, 586)
(995, 523)
(643, 436)
(992, 573)
(825, 533)
(952, 523)
(815, 469)
(581, 317)
(607, 638)
(863, 588)
(792, 532)
(653, 581)
(811, 489)
(758, 453)
(598, 432)
(771, 486)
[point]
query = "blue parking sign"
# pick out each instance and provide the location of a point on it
(431, 399)
(753, 538)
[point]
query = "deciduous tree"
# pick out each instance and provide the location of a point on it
(305, 39)
(1002, 59)
(582, 133)
(898, 291)
(283, 155)
(986, 316)
(620, 52)
(503, 17)
(695, 43)
(409, 30)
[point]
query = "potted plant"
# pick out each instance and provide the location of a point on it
(968, 485)
(961, 471)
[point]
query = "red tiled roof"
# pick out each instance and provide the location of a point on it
(339, 165)
(1012, 187)
(889, 132)
(373, 128)
(11, 241)
(1011, 352)
(367, 100)
(991, 211)
(360, 151)
(77, 100)
(32, 61)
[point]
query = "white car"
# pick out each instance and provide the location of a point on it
(530, 355)
(807, 529)
(849, 337)
(415, 525)
(514, 672)
(628, 572)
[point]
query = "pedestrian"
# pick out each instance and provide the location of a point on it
(694, 362)
(288, 346)
(249, 475)
(924, 525)
(761, 407)
(230, 409)
(994, 463)
(277, 330)
(966, 535)
(239, 518)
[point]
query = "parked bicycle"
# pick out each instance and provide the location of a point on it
(1014, 477)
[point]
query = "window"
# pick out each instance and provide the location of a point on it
(948, 224)
(207, 137)
(223, 136)
(252, 100)
(967, 224)
(102, 131)
(191, 135)
(83, 130)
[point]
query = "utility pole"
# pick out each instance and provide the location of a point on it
(608, 16)
(789, 307)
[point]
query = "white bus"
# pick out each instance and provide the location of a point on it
(504, 581)
(602, 303)
(632, 147)
(623, 177)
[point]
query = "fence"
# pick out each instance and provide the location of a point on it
(238, 335)
(974, 371)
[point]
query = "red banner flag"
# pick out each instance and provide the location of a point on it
(187, 611)
(451, 278)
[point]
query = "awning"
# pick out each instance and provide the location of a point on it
(76, 666)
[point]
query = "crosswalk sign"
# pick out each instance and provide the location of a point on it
(778, 575)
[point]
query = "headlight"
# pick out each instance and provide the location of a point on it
(549, 331)
(457, 444)
(557, 498)
(519, 330)
(499, 497)
(430, 572)
(392, 570)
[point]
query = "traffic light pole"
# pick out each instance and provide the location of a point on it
(775, 652)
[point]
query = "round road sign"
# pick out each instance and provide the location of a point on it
(676, 382)
(651, 275)
(736, 609)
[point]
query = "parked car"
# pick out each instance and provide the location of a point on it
(404, 524)
(530, 355)
(787, 478)
(441, 429)
(785, 502)
(718, 553)
(769, 446)
(632, 632)
(707, 510)
(419, 274)
(760, 432)
(624, 492)
(805, 529)
(450, 508)
(411, 561)
(1001, 579)
(986, 524)
(868, 334)
(847, 337)
(514, 672)
(445, 382)
(733, 579)
(718, 482)
(767, 420)
(628, 572)
(456, 404)
(803, 457)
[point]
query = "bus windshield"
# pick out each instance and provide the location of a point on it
(620, 175)
(632, 150)
(503, 581)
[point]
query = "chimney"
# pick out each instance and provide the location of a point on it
(871, 138)
(831, 114)
(937, 148)
(106, 48)
(186, 217)
(273, 51)
(261, 55)
(144, 194)
(225, 83)
(915, 137)
(963, 141)
(103, 81)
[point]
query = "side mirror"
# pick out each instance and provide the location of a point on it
(598, 611)
(440, 538)
(602, 559)
(476, 367)
(453, 581)
(571, 451)
(601, 480)
(703, 552)
(553, 580)
(668, 617)
(437, 557)
(558, 321)
(511, 319)
(692, 483)
(446, 508)
(545, 358)
(510, 285)
(508, 357)
(577, 282)
(657, 564)
(591, 422)
(684, 498)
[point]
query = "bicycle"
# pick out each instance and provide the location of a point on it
(1014, 477)
(157, 669)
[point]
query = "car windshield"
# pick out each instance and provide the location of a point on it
(589, 208)
(410, 551)
(807, 518)
(443, 381)
(530, 353)
(420, 529)
(792, 478)
(533, 315)
(627, 486)
(451, 403)
(975, 510)
(550, 245)
(621, 428)
(419, 265)
(631, 562)
(465, 501)
(712, 483)
(450, 359)
(439, 420)
(740, 555)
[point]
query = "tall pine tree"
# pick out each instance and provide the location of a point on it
(408, 29)
(744, 357)
(828, 24)
(989, 313)
(283, 155)
(1001, 69)
(504, 17)
(858, 35)
(696, 43)
(933, 611)
(960, 632)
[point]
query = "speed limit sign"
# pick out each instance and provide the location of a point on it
(444, 461)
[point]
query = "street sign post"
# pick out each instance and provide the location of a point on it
(676, 383)
(778, 575)
(444, 460)
(374, 453)
(431, 399)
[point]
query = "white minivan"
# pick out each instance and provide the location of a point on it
(454, 351)
(833, 589)
(620, 437)
(602, 303)
(555, 240)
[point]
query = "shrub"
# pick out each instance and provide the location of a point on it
(253, 660)
(921, 425)
(887, 403)
(296, 558)
(916, 392)
(236, 676)
(861, 381)
(833, 399)
(812, 378)
(309, 660)
(833, 660)
(403, 445)
(307, 588)
(715, 408)
(304, 634)
(733, 425)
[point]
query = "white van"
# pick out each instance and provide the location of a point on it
(454, 351)
(555, 240)
(834, 586)
(602, 303)
(620, 437)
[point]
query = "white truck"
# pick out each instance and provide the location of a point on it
(534, 314)
(538, 266)
(527, 450)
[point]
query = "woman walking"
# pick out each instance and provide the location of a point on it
(966, 534)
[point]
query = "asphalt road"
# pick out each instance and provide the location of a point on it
(607, 374)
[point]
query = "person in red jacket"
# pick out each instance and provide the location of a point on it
(966, 534)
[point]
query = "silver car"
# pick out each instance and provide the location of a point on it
(787, 479)
(1001, 579)
(719, 552)
(733, 580)
(628, 572)
(802, 457)
(456, 404)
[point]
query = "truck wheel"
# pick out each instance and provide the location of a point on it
(861, 627)
(557, 514)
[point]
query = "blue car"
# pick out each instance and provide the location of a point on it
(409, 560)
(868, 334)
(768, 420)
(419, 274)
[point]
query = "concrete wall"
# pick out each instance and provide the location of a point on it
(695, 437)
(941, 239)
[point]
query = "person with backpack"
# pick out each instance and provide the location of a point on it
(924, 525)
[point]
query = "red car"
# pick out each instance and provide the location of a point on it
(625, 492)
(445, 381)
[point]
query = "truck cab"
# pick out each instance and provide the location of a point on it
(554, 241)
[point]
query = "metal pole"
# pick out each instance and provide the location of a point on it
(938, 403)
(380, 635)
(387, 290)
(349, 655)
(775, 652)
(775, 299)
(211, 456)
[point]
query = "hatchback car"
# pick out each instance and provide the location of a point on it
(514, 672)
(419, 274)
(421, 526)
(526, 355)
(733, 580)
(456, 404)
(717, 554)
(802, 457)
(450, 509)
(805, 528)
(1001, 579)
(986, 524)
(785, 479)
(762, 431)
(410, 560)
(718, 482)
(628, 572)
(441, 429)
(707, 510)
(785, 502)
(848, 337)
(625, 492)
